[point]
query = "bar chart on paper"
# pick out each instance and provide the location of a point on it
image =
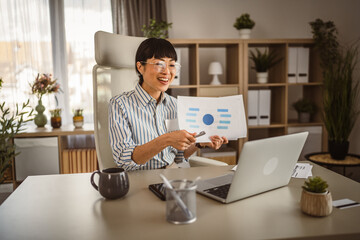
(223, 116)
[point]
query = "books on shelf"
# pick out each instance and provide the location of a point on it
(79, 160)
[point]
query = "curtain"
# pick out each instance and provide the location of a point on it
(130, 15)
(25, 49)
(51, 36)
(82, 19)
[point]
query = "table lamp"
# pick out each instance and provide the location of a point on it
(215, 69)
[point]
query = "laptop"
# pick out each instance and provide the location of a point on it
(263, 165)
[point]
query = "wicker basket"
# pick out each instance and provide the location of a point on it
(316, 204)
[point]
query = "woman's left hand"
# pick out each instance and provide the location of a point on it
(216, 142)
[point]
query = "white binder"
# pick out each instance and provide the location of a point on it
(264, 106)
(253, 105)
(292, 64)
(303, 65)
(176, 81)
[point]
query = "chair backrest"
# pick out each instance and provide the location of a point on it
(114, 73)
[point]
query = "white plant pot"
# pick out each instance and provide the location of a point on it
(262, 77)
(245, 33)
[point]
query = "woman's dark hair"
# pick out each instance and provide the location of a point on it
(153, 47)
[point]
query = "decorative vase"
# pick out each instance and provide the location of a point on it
(262, 77)
(338, 150)
(304, 117)
(245, 33)
(56, 122)
(40, 118)
(78, 121)
(316, 204)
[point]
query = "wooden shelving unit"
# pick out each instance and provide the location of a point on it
(196, 54)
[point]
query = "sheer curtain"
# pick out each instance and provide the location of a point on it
(48, 36)
(82, 19)
(130, 15)
(25, 49)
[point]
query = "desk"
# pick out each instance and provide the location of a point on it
(67, 207)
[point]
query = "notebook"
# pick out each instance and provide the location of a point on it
(263, 165)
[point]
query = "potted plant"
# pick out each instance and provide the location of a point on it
(156, 29)
(244, 24)
(56, 117)
(316, 200)
(12, 123)
(305, 108)
(340, 87)
(263, 62)
(78, 118)
(43, 84)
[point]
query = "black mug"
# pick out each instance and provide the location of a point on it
(113, 182)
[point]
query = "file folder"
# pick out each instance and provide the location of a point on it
(303, 65)
(292, 64)
(253, 97)
(264, 106)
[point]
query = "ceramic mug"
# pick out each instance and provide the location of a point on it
(113, 182)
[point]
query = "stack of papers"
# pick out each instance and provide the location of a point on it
(302, 170)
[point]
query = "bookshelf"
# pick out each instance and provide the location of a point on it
(238, 77)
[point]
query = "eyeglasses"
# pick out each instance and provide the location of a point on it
(160, 66)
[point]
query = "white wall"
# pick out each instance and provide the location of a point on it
(274, 19)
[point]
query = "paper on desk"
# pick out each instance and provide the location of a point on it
(302, 170)
(222, 116)
(345, 203)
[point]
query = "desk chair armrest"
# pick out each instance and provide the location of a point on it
(196, 161)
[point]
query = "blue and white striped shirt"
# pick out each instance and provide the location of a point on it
(135, 118)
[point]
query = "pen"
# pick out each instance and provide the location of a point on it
(200, 134)
(179, 201)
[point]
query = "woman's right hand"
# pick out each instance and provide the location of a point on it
(181, 139)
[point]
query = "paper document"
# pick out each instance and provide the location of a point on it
(222, 116)
(302, 170)
(345, 203)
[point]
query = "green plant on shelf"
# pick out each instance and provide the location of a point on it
(156, 29)
(244, 22)
(264, 61)
(304, 106)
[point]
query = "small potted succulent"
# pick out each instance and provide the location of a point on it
(244, 24)
(316, 200)
(263, 62)
(56, 117)
(78, 118)
(305, 108)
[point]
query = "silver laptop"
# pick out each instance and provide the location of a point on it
(263, 165)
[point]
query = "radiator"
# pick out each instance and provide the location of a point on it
(79, 160)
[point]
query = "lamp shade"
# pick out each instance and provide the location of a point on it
(215, 68)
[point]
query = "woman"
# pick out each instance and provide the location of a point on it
(138, 134)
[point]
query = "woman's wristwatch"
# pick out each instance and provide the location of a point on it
(198, 145)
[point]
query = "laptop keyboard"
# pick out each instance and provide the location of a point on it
(220, 191)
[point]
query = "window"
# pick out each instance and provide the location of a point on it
(26, 48)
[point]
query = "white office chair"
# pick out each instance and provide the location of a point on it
(115, 73)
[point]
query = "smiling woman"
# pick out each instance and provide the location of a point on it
(138, 135)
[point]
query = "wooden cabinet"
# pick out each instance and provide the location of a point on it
(73, 157)
(238, 77)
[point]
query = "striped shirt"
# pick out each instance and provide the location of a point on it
(135, 118)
